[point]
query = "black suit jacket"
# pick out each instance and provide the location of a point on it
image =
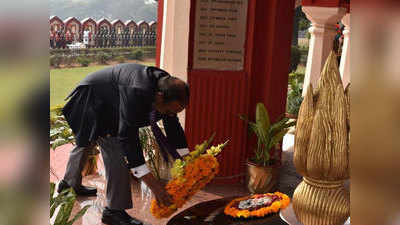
(117, 101)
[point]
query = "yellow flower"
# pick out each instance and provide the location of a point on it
(243, 213)
(276, 206)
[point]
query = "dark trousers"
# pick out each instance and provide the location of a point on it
(118, 190)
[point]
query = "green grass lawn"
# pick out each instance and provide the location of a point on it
(63, 81)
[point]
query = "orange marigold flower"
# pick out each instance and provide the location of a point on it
(281, 202)
(197, 174)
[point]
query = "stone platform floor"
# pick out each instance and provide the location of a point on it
(142, 196)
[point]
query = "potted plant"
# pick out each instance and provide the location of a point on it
(263, 166)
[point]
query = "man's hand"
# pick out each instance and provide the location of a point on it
(158, 189)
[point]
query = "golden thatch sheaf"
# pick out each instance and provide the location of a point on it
(324, 107)
(322, 151)
(339, 155)
(303, 131)
(330, 75)
(347, 95)
(321, 142)
(319, 146)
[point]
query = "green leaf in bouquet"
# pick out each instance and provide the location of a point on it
(200, 149)
(177, 168)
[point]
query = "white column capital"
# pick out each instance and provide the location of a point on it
(346, 21)
(324, 16)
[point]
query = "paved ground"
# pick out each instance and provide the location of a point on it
(142, 196)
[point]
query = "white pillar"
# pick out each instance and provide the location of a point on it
(323, 31)
(175, 41)
(345, 59)
(163, 32)
(175, 38)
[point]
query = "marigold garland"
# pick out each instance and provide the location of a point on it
(188, 177)
(276, 205)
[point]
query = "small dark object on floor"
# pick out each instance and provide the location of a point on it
(118, 217)
(81, 191)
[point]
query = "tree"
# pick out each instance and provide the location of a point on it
(300, 23)
(296, 18)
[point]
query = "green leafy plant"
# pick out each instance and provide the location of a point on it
(268, 135)
(84, 61)
(120, 59)
(295, 89)
(304, 24)
(295, 56)
(65, 202)
(136, 54)
(60, 132)
(56, 60)
(147, 50)
(70, 60)
(303, 54)
(308, 35)
(68, 57)
(139, 54)
(103, 58)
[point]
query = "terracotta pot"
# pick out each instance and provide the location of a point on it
(261, 179)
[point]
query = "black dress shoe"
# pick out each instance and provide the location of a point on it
(132, 220)
(118, 217)
(81, 191)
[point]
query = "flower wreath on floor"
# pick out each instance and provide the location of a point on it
(258, 205)
(188, 177)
